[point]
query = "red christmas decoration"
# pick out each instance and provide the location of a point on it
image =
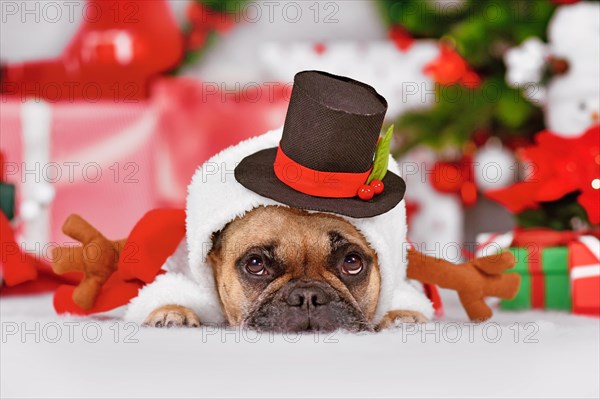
(117, 51)
(412, 208)
(457, 177)
(202, 21)
(471, 79)
(319, 48)
(196, 39)
(17, 267)
(447, 177)
(449, 68)
(401, 38)
(2, 177)
(201, 16)
(558, 166)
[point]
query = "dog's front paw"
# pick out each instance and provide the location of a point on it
(397, 317)
(172, 316)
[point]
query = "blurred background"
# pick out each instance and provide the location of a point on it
(108, 106)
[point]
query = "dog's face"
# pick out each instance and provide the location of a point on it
(283, 269)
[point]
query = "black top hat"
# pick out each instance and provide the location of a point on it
(326, 151)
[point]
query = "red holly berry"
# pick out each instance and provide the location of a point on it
(366, 192)
(377, 186)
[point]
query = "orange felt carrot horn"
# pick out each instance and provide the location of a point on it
(473, 280)
(96, 258)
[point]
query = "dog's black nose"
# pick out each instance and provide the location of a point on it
(307, 295)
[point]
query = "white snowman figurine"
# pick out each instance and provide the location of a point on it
(572, 96)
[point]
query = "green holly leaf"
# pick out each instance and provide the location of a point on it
(382, 156)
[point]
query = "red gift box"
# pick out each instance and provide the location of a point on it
(97, 158)
(197, 120)
(584, 260)
(570, 268)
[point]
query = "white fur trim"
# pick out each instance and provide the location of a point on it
(407, 297)
(215, 198)
(174, 289)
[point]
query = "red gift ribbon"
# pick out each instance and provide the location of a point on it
(543, 237)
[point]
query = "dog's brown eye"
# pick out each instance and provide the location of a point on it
(353, 264)
(256, 266)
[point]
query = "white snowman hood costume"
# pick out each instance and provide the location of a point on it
(216, 197)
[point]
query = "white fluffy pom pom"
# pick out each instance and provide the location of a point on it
(30, 210)
(495, 166)
(44, 194)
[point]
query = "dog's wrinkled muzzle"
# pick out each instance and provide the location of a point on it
(302, 305)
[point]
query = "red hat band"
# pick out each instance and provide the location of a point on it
(317, 183)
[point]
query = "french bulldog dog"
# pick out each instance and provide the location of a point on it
(253, 257)
(288, 270)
